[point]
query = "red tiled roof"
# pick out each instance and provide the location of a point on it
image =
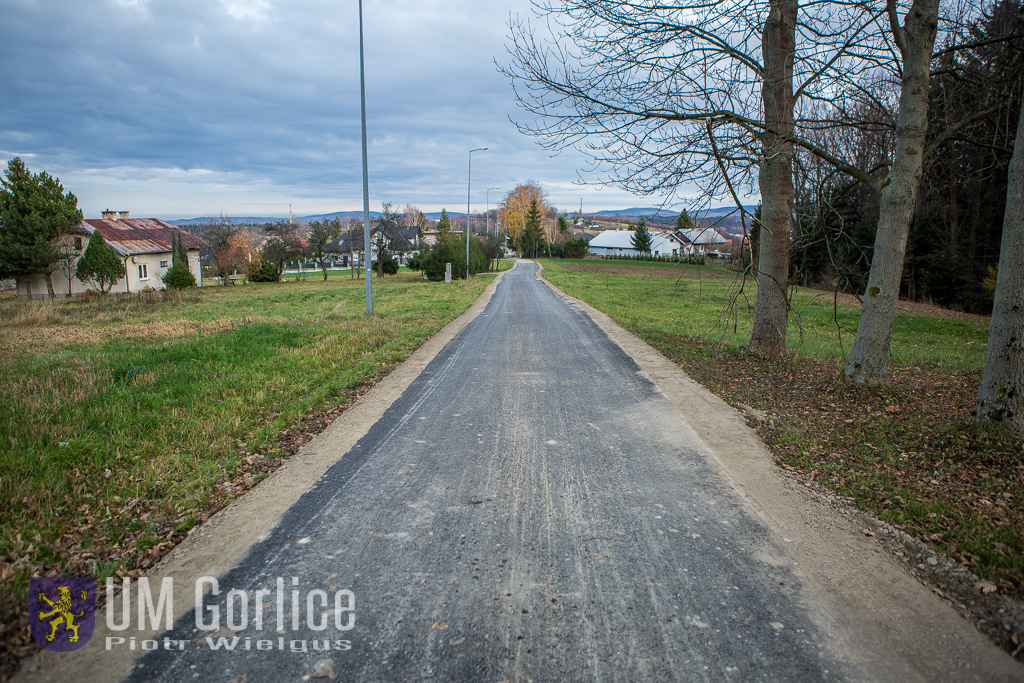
(140, 235)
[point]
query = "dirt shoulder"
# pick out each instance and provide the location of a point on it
(863, 596)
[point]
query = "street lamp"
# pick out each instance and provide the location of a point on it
(487, 211)
(366, 171)
(469, 185)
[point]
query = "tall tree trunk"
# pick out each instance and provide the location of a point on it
(1001, 395)
(870, 352)
(49, 285)
(775, 180)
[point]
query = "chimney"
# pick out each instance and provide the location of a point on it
(110, 215)
(122, 215)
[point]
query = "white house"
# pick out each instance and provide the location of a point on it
(702, 240)
(620, 243)
(143, 244)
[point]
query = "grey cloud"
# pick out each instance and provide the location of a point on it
(268, 89)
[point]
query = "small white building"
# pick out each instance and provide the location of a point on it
(143, 244)
(620, 243)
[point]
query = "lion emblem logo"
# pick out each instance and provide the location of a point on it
(63, 611)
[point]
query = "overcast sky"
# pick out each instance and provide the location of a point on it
(182, 108)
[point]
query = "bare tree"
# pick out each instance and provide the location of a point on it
(515, 207)
(915, 39)
(386, 234)
(320, 233)
(284, 242)
(775, 179)
(1001, 395)
(413, 216)
(665, 94)
(223, 246)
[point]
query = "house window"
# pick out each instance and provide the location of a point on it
(143, 272)
(78, 244)
(163, 264)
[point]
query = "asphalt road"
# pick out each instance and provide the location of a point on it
(531, 508)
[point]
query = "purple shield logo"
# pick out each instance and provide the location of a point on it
(62, 610)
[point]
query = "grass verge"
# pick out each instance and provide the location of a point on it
(128, 420)
(907, 453)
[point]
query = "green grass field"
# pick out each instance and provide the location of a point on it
(126, 419)
(713, 303)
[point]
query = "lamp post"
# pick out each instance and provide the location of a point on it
(469, 186)
(366, 171)
(487, 211)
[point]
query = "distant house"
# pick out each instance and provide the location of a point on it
(403, 241)
(144, 244)
(620, 243)
(700, 241)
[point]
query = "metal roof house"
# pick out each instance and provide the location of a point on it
(620, 243)
(143, 244)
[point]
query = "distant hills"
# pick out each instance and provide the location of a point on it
(635, 212)
(342, 215)
(648, 211)
(251, 220)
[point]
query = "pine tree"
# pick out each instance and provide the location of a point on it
(179, 276)
(684, 222)
(34, 213)
(100, 264)
(444, 224)
(642, 239)
(532, 234)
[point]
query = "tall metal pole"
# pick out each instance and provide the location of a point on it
(469, 185)
(366, 170)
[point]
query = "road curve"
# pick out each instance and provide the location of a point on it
(529, 509)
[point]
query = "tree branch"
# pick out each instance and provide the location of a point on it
(957, 127)
(977, 43)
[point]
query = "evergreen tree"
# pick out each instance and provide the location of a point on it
(444, 224)
(452, 250)
(100, 264)
(684, 222)
(179, 276)
(642, 239)
(532, 235)
(34, 213)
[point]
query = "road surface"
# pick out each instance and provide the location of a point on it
(533, 507)
(530, 508)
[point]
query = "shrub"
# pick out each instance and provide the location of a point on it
(575, 248)
(452, 249)
(390, 266)
(179, 277)
(264, 272)
(414, 262)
